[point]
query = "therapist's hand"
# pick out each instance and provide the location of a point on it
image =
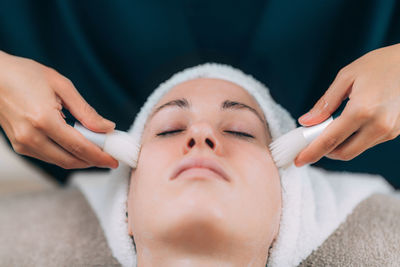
(372, 114)
(31, 98)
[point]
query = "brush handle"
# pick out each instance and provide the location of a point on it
(312, 132)
(97, 138)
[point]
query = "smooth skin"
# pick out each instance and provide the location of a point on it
(372, 114)
(31, 99)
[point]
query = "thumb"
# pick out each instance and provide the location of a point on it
(81, 110)
(328, 103)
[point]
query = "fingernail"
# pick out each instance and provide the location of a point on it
(298, 163)
(305, 117)
(109, 123)
(115, 165)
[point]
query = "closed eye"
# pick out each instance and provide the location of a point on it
(170, 132)
(240, 134)
(235, 133)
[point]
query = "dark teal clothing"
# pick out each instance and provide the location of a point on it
(117, 52)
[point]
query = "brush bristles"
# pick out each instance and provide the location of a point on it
(286, 148)
(122, 147)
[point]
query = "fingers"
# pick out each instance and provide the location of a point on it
(331, 100)
(37, 145)
(336, 132)
(366, 137)
(54, 154)
(72, 141)
(78, 107)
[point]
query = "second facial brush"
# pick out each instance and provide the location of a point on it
(286, 148)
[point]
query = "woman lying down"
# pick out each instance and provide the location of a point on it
(206, 192)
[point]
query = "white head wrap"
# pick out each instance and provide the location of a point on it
(314, 201)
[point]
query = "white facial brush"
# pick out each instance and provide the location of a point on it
(286, 148)
(120, 145)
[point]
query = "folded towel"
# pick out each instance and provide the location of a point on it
(314, 201)
(369, 236)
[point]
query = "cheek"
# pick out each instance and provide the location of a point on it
(260, 184)
(158, 155)
(254, 162)
(151, 176)
(264, 178)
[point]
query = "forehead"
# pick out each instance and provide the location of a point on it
(212, 91)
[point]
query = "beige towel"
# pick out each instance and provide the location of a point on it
(52, 228)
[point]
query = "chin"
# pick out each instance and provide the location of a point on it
(199, 188)
(196, 225)
(192, 208)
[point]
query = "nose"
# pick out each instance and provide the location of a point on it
(201, 136)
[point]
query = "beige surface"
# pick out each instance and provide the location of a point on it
(17, 175)
(370, 236)
(52, 228)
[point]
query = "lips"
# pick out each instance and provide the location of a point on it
(200, 163)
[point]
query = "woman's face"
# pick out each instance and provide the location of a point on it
(205, 174)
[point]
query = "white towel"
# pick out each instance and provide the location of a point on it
(314, 201)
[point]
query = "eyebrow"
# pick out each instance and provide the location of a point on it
(226, 105)
(182, 103)
(229, 104)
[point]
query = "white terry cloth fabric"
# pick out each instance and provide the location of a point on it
(314, 201)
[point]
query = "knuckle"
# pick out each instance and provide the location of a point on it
(35, 141)
(19, 148)
(321, 103)
(346, 156)
(38, 120)
(344, 73)
(59, 80)
(364, 113)
(65, 81)
(76, 149)
(392, 136)
(61, 164)
(65, 166)
(52, 72)
(329, 144)
(87, 109)
(322, 106)
(49, 72)
(69, 163)
(342, 155)
(22, 136)
(384, 127)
